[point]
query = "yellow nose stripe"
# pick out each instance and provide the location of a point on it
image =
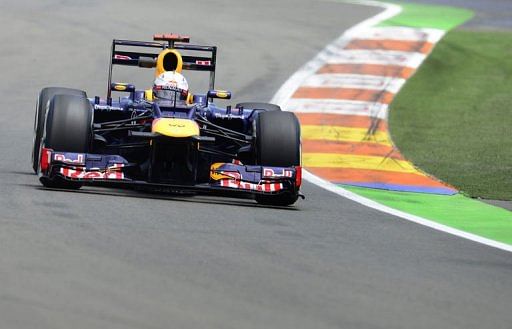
(173, 127)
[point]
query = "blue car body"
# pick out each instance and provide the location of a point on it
(199, 147)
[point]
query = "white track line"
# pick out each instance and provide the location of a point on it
(355, 81)
(283, 95)
(416, 219)
(398, 34)
(289, 87)
(337, 106)
(381, 57)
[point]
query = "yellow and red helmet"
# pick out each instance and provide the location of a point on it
(171, 86)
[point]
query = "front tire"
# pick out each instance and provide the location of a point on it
(277, 145)
(68, 129)
(41, 108)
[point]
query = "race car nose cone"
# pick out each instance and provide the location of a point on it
(173, 127)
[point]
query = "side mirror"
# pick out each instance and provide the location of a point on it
(222, 94)
(147, 62)
(123, 87)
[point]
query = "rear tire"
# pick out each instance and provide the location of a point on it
(41, 108)
(68, 129)
(277, 145)
(259, 106)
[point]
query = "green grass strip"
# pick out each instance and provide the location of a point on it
(429, 16)
(456, 211)
(453, 118)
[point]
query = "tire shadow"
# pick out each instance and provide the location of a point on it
(197, 198)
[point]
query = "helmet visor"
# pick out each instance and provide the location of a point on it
(169, 93)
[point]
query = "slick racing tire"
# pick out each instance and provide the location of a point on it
(68, 129)
(259, 106)
(278, 145)
(41, 107)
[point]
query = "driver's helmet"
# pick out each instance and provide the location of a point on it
(171, 86)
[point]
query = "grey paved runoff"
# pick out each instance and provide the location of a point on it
(118, 259)
(489, 14)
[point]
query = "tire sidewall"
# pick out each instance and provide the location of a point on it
(43, 99)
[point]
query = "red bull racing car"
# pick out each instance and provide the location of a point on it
(178, 144)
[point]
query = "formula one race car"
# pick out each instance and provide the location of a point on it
(164, 138)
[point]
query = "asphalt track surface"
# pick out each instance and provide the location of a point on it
(119, 259)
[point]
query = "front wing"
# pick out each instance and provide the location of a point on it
(233, 179)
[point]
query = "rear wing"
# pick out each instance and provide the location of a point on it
(147, 59)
